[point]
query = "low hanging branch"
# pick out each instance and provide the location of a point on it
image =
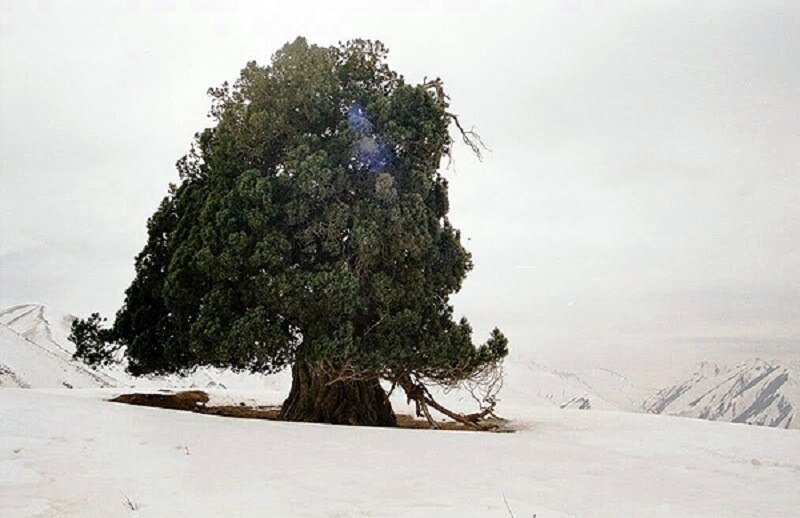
(416, 391)
(470, 137)
(483, 388)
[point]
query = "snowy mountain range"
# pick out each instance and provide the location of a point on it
(35, 353)
(754, 392)
(757, 392)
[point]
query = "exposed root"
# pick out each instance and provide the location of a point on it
(424, 407)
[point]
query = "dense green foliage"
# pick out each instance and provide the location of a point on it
(310, 221)
(92, 342)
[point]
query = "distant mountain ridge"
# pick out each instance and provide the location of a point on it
(755, 392)
(597, 389)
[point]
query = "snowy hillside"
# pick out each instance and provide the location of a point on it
(40, 324)
(68, 453)
(35, 353)
(595, 389)
(755, 392)
(560, 462)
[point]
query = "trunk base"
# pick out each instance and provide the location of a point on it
(313, 398)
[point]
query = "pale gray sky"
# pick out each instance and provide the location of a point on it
(641, 194)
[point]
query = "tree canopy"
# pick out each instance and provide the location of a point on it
(309, 229)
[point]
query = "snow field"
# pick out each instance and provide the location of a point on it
(70, 453)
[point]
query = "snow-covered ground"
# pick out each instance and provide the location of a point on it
(35, 353)
(69, 453)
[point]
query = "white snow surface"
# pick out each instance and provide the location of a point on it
(70, 453)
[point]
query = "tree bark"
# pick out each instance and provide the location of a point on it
(316, 398)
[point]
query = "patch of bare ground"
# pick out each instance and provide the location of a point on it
(195, 401)
(186, 400)
(492, 424)
(270, 413)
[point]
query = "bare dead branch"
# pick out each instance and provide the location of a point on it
(417, 392)
(437, 86)
(427, 414)
(485, 386)
(470, 137)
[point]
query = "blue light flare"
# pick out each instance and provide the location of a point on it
(358, 121)
(369, 151)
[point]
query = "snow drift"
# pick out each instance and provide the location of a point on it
(68, 453)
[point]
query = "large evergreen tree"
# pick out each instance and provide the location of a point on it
(310, 229)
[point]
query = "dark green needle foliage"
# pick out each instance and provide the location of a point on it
(310, 226)
(92, 341)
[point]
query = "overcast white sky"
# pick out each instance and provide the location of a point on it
(641, 196)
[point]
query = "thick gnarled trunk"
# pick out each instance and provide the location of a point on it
(315, 398)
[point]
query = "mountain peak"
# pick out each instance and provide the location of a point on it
(40, 323)
(757, 391)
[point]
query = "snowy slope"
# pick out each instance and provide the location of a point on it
(755, 392)
(40, 324)
(34, 351)
(597, 389)
(67, 453)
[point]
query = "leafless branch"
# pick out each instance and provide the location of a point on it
(416, 391)
(470, 137)
(485, 386)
